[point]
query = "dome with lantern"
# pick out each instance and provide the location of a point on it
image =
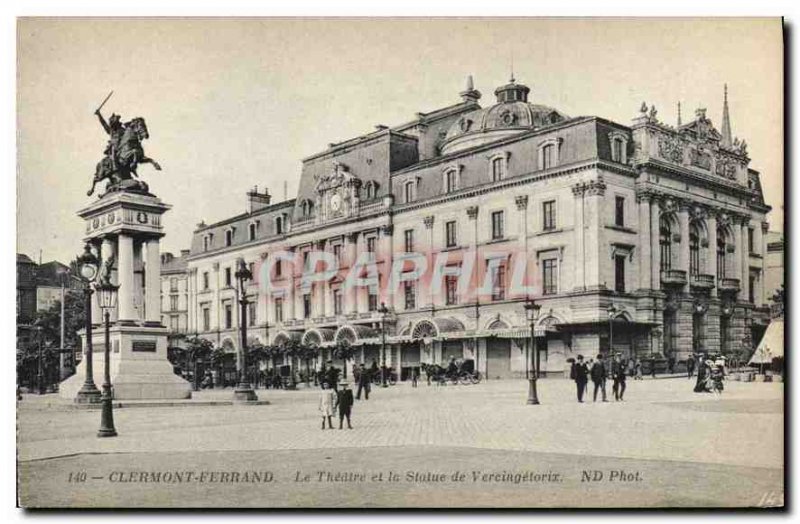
(512, 114)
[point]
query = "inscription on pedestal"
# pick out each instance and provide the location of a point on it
(144, 345)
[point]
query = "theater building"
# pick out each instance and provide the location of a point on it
(642, 236)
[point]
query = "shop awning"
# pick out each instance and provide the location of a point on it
(771, 345)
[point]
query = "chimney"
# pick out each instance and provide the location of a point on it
(470, 94)
(257, 201)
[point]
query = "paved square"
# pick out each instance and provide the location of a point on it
(664, 445)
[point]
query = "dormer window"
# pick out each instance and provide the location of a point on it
(409, 191)
(280, 226)
(498, 164)
(307, 208)
(549, 153)
(207, 240)
(619, 147)
(229, 236)
(252, 228)
(451, 178)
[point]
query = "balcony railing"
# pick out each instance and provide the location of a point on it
(703, 281)
(729, 284)
(673, 276)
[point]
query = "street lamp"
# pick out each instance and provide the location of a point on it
(383, 311)
(532, 314)
(40, 367)
(107, 300)
(243, 391)
(88, 265)
(612, 312)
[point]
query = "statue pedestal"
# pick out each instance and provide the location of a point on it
(125, 227)
(139, 366)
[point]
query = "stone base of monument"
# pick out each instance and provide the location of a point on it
(139, 367)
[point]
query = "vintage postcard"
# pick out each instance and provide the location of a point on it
(400, 263)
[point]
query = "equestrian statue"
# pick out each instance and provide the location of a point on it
(122, 154)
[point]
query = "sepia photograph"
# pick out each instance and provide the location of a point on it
(407, 263)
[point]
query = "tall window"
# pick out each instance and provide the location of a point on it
(278, 310)
(694, 253)
(278, 268)
(750, 240)
(724, 334)
(549, 215)
(173, 284)
(337, 301)
(173, 302)
(619, 273)
(619, 211)
(499, 283)
(498, 169)
(307, 208)
(371, 242)
(251, 313)
(548, 156)
(549, 282)
(206, 319)
(497, 225)
(228, 276)
(617, 145)
(450, 233)
(337, 252)
(229, 237)
(206, 242)
(665, 242)
(408, 237)
(751, 289)
(451, 181)
(408, 189)
(410, 295)
(450, 288)
(251, 232)
(721, 247)
(669, 331)
(307, 306)
(279, 225)
(228, 316)
(205, 280)
(372, 302)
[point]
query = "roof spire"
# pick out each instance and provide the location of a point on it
(512, 68)
(679, 113)
(470, 84)
(470, 94)
(727, 140)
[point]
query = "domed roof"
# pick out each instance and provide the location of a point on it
(510, 115)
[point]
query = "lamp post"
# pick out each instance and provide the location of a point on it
(88, 264)
(532, 314)
(612, 311)
(107, 300)
(383, 311)
(244, 390)
(40, 366)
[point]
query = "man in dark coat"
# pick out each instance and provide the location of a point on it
(581, 376)
(690, 366)
(599, 377)
(344, 401)
(618, 375)
(364, 380)
(333, 376)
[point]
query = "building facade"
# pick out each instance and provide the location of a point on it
(175, 296)
(647, 239)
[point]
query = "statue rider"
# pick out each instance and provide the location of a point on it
(115, 128)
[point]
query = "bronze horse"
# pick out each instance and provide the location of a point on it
(123, 154)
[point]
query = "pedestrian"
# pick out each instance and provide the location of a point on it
(702, 375)
(637, 369)
(332, 375)
(414, 376)
(580, 376)
(618, 375)
(327, 403)
(364, 380)
(598, 373)
(653, 367)
(690, 366)
(344, 401)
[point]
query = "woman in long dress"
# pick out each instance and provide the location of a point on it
(702, 375)
(327, 405)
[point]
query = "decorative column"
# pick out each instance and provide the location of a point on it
(522, 207)
(152, 284)
(125, 278)
(711, 264)
(472, 220)
(428, 221)
(745, 254)
(655, 248)
(738, 267)
(386, 233)
(580, 254)
(350, 298)
(762, 248)
(595, 190)
(645, 273)
(683, 250)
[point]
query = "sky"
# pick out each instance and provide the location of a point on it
(236, 103)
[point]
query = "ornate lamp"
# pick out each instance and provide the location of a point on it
(88, 265)
(107, 300)
(107, 294)
(532, 314)
(612, 312)
(244, 390)
(384, 311)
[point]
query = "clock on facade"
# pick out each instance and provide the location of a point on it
(336, 202)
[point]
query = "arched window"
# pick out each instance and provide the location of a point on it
(694, 251)
(666, 245)
(307, 208)
(229, 237)
(548, 156)
(370, 190)
(721, 248)
(251, 231)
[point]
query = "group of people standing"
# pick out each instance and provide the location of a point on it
(710, 373)
(582, 371)
(336, 395)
